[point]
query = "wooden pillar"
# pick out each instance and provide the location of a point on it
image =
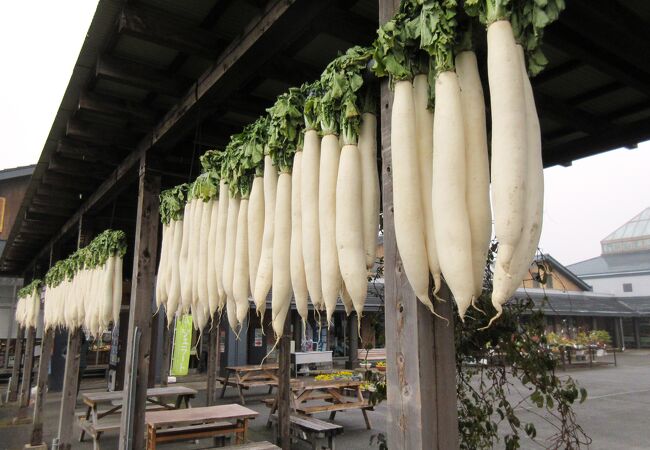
(26, 386)
(69, 393)
(47, 344)
(18, 359)
(420, 351)
(153, 349)
(166, 347)
(637, 332)
(213, 363)
(353, 336)
(132, 430)
(619, 324)
(11, 325)
(284, 388)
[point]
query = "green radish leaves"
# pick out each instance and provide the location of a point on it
(172, 202)
(438, 32)
(28, 290)
(286, 119)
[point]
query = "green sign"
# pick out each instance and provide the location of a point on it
(182, 346)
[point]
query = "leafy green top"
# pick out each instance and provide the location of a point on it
(29, 290)
(285, 121)
(106, 244)
(172, 203)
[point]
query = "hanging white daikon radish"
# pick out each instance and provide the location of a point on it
(281, 298)
(241, 280)
(296, 261)
(220, 248)
(370, 192)
(255, 228)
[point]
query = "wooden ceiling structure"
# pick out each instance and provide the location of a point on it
(173, 79)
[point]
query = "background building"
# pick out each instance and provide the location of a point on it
(13, 184)
(623, 268)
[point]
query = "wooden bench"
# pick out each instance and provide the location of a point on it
(204, 430)
(374, 354)
(313, 431)
(264, 445)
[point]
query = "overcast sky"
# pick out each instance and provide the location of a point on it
(583, 203)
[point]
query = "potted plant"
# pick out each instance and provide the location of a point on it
(381, 366)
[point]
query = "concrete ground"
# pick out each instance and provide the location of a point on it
(615, 415)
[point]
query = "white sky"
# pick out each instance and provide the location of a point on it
(583, 203)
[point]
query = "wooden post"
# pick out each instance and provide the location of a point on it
(132, 435)
(69, 394)
(11, 325)
(153, 349)
(18, 359)
(166, 347)
(419, 348)
(353, 336)
(284, 387)
(213, 363)
(637, 332)
(26, 386)
(41, 387)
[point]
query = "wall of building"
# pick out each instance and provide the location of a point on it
(554, 280)
(13, 190)
(614, 285)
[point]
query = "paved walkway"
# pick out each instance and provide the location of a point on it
(615, 414)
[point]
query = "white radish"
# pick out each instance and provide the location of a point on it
(195, 248)
(213, 290)
(370, 193)
(309, 181)
(296, 261)
(255, 228)
(348, 304)
(509, 157)
(108, 281)
(477, 164)
(161, 279)
(264, 276)
(117, 290)
(330, 272)
(424, 142)
(183, 263)
(349, 227)
(451, 224)
(220, 248)
(505, 286)
(174, 297)
(281, 298)
(204, 237)
(241, 280)
(229, 254)
(407, 203)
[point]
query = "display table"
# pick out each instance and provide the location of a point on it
(298, 358)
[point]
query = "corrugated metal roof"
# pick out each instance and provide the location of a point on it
(613, 264)
(585, 303)
(16, 172)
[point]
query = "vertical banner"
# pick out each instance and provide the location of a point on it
(182, 346)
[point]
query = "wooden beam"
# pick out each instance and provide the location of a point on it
(353, 336)
(28, 366)
(553, 73)
(139, 76)
(610, 63)
(113, 106)
(421, 403)
(12, 395)
(73, 149)
(78, 181)
(571, 116)
(47, 344)
(213, 363)
(592, 94)
(166, 349)
(66, 166)
(280, 20)
(168, 30)
(284, 387)
(142, 287)
(70, 388)
(101, 135)
(619, 136)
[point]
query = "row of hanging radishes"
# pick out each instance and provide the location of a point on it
(85, 290)
(300, 216)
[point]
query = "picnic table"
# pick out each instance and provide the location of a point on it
(196, 423)
(91, 422)
(332, 394)
(245, 377)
